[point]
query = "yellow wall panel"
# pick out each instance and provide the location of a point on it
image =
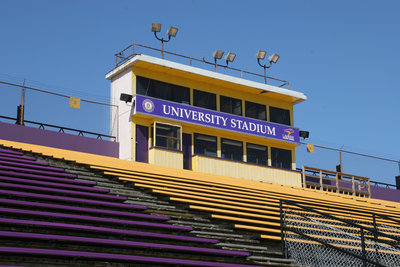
(167, 158)
(245, 170)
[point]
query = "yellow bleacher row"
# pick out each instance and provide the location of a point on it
(248, 204)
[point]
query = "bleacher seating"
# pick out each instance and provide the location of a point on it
(251, 208)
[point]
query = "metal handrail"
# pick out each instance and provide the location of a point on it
(62, 128)
(362, 228)
(340, 177)
(119, 60)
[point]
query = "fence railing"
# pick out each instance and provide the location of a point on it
(130, 51)
(315, 238)
(336, 181)
(62, 129)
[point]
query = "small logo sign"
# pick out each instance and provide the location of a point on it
(288, 135)
(148, 105)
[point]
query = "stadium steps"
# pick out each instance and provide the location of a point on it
(247, 207)
(47, 223)
(70, 237)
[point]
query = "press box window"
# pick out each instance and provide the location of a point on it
(167, 136)
(205, 145)
(231, 105)
(162, 90)
(204, 99)
(279, 115)
(231, 149)
(257, 154)
(281, 158)
(256, 111)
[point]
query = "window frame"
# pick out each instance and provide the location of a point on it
(231, 99)
(277, 162)
(196, 91)
(277, 121)
(195, 137)
(178, 138)
(249, 145)
(247, 103)
(173, 90)
(230, 150)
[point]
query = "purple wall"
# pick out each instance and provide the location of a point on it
(385, 193)
(25, 134)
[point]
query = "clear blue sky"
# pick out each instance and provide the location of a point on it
(344, 55)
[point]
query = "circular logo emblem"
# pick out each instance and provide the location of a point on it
(148, 105)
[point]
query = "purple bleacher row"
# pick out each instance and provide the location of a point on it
(62, 191)
(119, 242)
(72, 199)
(82, 209)
(10, 152)
(98, 229)
(96, 255)
(30, 166)
(17, 169)
(52, 184)
(17, 156)
(43, 177)
(18, 160)
(92, 218)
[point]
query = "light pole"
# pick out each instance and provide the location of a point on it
(172, 31)
(272, 59)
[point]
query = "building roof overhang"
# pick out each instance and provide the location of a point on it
(163, 65)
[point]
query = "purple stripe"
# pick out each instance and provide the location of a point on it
(81, 209)
(121, 243)
(10, 152)
(97, 229)
(23, 161)
(96, 219)
(50, 184)
(95, 255)
(61, 191)
(41, 177)
(72, 199)
(17, 156)
(31, 165)
(37, 171)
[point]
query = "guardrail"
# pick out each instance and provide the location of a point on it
(130, 51)
(62, 129)
(341, 183)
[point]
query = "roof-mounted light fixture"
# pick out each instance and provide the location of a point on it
(172, 31)
(217, 55)
(230, 57)
(272, 59)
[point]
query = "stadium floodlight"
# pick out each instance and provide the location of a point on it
(271, 59)
(125, 97)
(230, 57)
(156, 27)
(261, 54)
(218, 54)
(172, 31)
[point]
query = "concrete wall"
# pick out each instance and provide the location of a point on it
(25, 134)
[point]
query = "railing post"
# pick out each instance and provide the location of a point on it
(369, 188)
(353, 186)
(337, 183)
(304, 177)
(283, 245)
(320, 180)
(363, 247)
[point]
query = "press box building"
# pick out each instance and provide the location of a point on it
(191, 118)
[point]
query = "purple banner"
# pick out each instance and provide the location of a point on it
(209, 118)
